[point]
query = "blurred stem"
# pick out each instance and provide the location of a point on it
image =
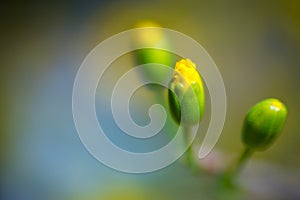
(237, 167)
(189, 152)
(189, 156)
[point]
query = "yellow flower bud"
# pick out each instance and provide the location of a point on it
(186, 94)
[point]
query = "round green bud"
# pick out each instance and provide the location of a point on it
(263, 124)
(186, 93)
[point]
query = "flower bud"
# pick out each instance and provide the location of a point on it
(186, 94)
(263, 124)
(156, 38)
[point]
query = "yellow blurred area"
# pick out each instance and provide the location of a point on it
(117, 193)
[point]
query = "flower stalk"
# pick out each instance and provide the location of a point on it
(186, 101)
(262, 125)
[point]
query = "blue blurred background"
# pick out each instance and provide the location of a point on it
(255, 44)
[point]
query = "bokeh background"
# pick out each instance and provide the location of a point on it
(255, 44)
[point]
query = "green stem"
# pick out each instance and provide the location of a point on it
(234, 171)
(189, 152)
(243, 158)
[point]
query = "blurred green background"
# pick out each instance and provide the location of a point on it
(255, 44)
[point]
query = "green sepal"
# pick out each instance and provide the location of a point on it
(186, 103)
